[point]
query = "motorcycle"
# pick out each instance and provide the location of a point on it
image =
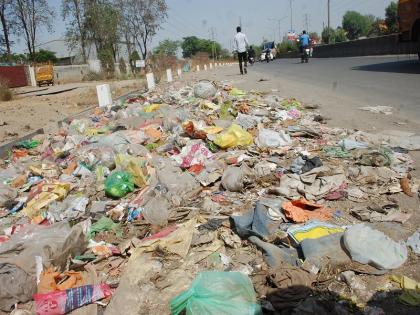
(305, 55)
(251, 60)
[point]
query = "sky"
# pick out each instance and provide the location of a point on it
(260, 19)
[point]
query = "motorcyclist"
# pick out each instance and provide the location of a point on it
(251, 55)
(304, 41)
(267, 55)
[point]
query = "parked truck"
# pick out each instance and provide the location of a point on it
(44, 73)
(409, 21)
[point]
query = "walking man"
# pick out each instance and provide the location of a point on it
(240, 45)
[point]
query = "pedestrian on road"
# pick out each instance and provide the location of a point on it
(240, 44)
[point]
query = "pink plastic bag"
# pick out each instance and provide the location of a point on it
(63, 302)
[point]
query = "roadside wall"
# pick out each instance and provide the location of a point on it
(383, 45)
(67, 74)
(375, 46)
(13, 76)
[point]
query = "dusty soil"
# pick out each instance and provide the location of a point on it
(30, 111)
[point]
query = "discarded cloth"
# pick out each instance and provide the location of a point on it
(304, 164)
(302, 210)
(369, 246)
(256, 222)
(276, 256)
(313, 230)
(284, 287)
(323, 250)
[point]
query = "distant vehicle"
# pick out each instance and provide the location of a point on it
(305, 55)
(44, 73)
(409, 21)
(267, 46)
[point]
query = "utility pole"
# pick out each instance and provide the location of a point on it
(306, 23)
(329, 25)
(240, 21)
(213, 48)
(279, 21)
(291, 15)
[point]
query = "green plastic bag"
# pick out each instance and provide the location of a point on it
(102, 225)
(218, 293)
(118, 184)
(27, 144)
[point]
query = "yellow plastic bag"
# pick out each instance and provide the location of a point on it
(137, 167)
(151, 108)
(234, 136)
(212, 130)
(50, 193)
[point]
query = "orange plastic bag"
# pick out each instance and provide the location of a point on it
(302, 210)
(50, 280)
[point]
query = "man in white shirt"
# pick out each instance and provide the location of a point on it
(240, 44)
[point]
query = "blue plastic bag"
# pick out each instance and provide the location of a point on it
(218, 293)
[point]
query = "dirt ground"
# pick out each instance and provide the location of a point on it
(30, 109)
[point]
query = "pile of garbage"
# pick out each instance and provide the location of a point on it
(211, 200)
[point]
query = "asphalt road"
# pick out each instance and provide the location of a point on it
(355, 82)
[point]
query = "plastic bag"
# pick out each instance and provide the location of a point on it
(218, 293)
(104, 224)
(272, 139)
(234, 136)
(136, 167)
(63, 302)
(204, 89)
(119, 184)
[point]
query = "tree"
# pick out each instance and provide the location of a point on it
(167, 47)
(328, 35)
(340, 35)
(5, 15)
(391, 17)
(314, 36)
(102, 21)
(31, 15)
(191, 45)
(44, 56)
(76, 35)
(144, 18)
(356, 25)
(379, 28)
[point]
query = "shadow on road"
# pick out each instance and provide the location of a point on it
(403, 66)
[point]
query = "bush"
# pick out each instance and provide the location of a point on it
(287, 46)
(5, 93)
(328, 35)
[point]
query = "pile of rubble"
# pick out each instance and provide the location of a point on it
(208, 199)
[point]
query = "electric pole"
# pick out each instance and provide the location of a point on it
(329, 25)
(213, 48)
(240, 21)
(291, 15)
(279, 21)
(306, 23)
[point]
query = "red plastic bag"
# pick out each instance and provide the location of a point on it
(63, 302)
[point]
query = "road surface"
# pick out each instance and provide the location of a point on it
(366, 81)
